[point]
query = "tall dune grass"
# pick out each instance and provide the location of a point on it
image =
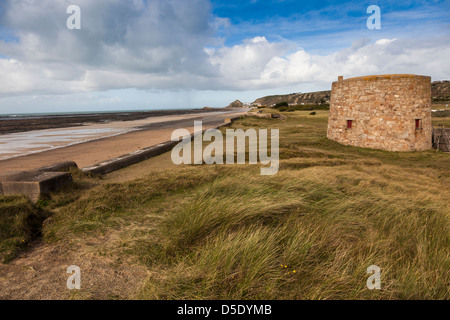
(309, 232)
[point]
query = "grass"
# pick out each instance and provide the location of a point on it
(20, 223)
(441, 118)
(309, 232)
(283, 107)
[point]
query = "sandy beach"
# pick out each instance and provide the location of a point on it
(96, 142)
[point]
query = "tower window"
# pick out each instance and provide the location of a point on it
(418, 124)
(349, 124)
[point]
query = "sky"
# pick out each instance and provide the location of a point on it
(173, 54)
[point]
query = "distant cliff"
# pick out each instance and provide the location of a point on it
(236, 104)
(440, 91)
(320, 97)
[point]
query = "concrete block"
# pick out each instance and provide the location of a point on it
(59, 167)
(129, 158)
(33, 184)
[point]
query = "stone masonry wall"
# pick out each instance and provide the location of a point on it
(383, 110)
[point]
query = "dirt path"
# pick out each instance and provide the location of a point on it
(41, 274)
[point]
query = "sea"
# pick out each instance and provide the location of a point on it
(28, 142)
(12, 116)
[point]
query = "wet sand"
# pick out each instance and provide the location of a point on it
(28, 142)
(92, 152)
(11, 124)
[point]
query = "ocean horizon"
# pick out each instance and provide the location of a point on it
(14, 115)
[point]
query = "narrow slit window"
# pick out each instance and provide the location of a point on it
(349, 124)
(418, 124)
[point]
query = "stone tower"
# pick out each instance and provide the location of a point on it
(388, 112)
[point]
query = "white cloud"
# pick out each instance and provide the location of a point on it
(120, 42)
(384, 41)
(263, 64)
(247, 61)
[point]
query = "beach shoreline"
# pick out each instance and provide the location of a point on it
(141, 135)
(9, 124)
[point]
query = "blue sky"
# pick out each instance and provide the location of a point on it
(342, 22)
(156, 54)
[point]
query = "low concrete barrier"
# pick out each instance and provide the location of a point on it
(129, 159)
(59, 167)
(33, 184)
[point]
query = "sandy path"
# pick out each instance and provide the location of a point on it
(93, 152)
(41, 274)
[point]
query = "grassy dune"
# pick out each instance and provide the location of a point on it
(20, 223)
(309, 232)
